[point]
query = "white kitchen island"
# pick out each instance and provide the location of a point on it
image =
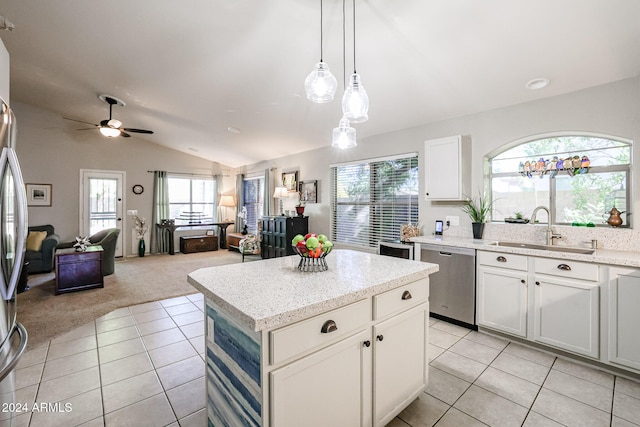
(343, 347)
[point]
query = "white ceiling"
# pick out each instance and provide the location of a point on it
(188, 70)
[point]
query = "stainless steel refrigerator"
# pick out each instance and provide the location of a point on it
(13, 236)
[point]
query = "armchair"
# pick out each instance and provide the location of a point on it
(106, 238)
(42, 261)
(250, 245)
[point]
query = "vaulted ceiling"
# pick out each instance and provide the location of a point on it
(191, 70)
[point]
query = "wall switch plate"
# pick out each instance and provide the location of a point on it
(453, 220)
(132, 212)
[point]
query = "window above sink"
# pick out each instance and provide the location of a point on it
(597, 179)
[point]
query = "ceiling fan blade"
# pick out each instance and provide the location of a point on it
(80, 121)
(138, 130)
(85, 129)
(125, 135)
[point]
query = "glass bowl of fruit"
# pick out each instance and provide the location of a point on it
(312, 248)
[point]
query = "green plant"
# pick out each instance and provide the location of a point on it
(478, 208)
(518, 215)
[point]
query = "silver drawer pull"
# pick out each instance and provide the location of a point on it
(406, 295)
(501, 259)
(564, 267)
(329, 326)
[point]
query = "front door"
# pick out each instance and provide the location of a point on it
(101, 203)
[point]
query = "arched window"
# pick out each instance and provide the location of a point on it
(578, 177)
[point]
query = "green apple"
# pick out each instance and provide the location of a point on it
(312, 243)
(322, 238)
(327, 245)
(296, 239)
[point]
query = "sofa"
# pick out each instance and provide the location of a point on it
(106, 238)
(41, 248)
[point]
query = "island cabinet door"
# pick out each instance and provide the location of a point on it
(331, 387)
(400, 362)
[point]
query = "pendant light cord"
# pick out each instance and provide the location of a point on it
(354, 36)
(344, 49)
(321, 35)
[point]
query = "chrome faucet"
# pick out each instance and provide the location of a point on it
(549, 233)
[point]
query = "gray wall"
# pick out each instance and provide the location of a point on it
(51, 151)
(612, 109)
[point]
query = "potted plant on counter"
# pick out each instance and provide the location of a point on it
(478, 208)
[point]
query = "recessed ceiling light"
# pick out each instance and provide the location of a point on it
(538, 83)
(233, 130)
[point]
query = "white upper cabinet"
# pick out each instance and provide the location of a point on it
(447, 166)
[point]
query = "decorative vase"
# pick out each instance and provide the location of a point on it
(300, 210)
(141, 247)
(478, 228)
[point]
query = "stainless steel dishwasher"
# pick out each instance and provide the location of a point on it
(452, 290)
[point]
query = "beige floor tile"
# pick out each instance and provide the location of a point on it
(130, 391)
(434, 351)
(488, 340)
(198, 419)
(187, 318)
(127, 367)
(181, 372)
(113, 324)
(582, 390)
(64, 349)
(442, 339)
(491, 408)
(27, 394)
(157, 325)
(588, 373)
(626, 386)
(141, 308)
(452, 329)
(198, 344)
(86, 330)
(459, 366)
(397, 422)
(33, 356)
(153, 411)
(425, 411)
(536, 420)
(29, 375)
(508, 386)
(475, 351)
(626, 407)
(175, 301)
(567, 411)
(520, 367)
(117, 335)
(188, 398)
(96, 422)
(619, 422)
(188, 307)
(433, 321)
(65, 387)
(119, 350)
(172, 353)
(120, 312)
(148, 316)
(193, 330)
(160, 339)
(68, 365)
(531, 354)
(445, 386)
(81, 408)
(456, 418)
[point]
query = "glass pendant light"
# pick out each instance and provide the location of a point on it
(355, 102)
(320, 85)
(344, 136)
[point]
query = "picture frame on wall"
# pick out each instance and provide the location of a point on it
(290, 180)
(308, 191)
(38, 194)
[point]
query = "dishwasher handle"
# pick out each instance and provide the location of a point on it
(445, 253)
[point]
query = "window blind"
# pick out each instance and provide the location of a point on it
(371, 200)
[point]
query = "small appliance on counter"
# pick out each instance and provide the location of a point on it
(396, 248)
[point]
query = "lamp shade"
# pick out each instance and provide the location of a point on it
(110, 132)
(344, 136)
(281, 193)
(227, 201)
(320, 85)
(355, 101)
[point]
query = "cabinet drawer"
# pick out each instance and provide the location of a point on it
(307, 334)
(400, 299)
(497, 259)
(568, 269)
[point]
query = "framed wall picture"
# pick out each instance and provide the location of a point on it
(290, 180)
(38, 194)
(308, 191)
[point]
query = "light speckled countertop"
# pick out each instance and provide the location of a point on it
(271, 293)
(600, 256)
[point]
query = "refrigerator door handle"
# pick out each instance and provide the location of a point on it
(24, 337)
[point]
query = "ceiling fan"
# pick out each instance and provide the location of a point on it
(112, 127)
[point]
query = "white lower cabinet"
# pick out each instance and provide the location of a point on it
(339, 369)
(624, 317)
(502, 300)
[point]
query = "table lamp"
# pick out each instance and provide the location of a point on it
(281, 193)
(228, 202)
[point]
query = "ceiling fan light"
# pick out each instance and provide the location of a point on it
(320, 85)
(355, 101)
(114, 123)
(344, 136)
(110, 132)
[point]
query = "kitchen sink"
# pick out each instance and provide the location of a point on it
(584, 251)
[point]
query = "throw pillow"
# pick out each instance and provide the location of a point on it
(34, 240)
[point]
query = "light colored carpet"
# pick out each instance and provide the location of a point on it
(135, 281)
